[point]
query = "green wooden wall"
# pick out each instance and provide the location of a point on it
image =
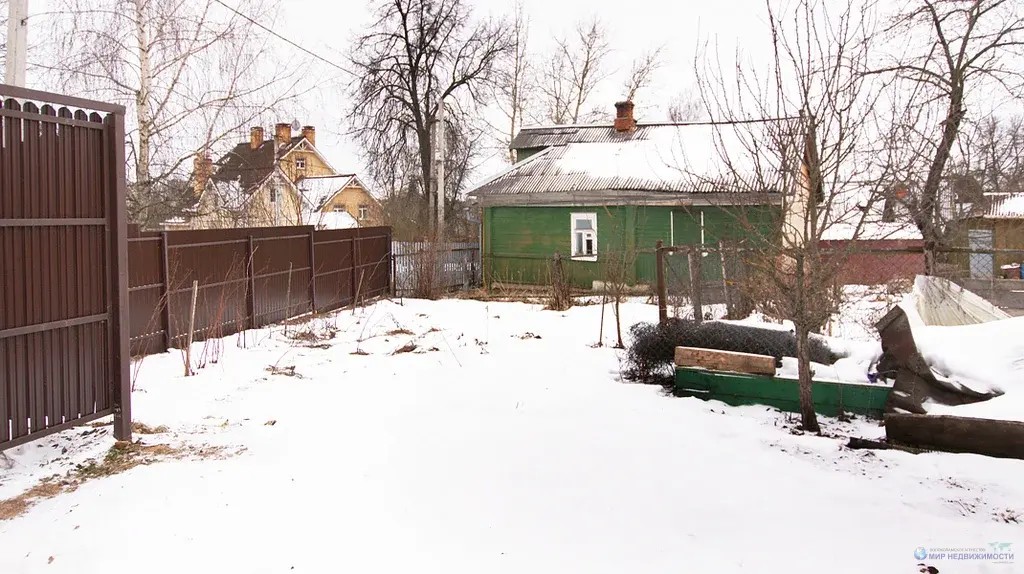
(519, 242)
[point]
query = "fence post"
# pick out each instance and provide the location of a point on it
(693, 255)
(662, 290)
(391, 263)
(725, 282)
(312, 271)
(191, 328)
(352, 259)
(120, 351)
(250, 271)
(165, 271)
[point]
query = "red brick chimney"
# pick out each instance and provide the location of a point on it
(309, 132)
(624, 121)
(202, 170)
(255, 137)
(283, 132)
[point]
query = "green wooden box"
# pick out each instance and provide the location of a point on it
(830, 398)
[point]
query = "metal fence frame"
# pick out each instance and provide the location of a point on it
(63, 265)
(247, 278)
(458, 265)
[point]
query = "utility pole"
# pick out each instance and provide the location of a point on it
(439, 145)
(17, 42)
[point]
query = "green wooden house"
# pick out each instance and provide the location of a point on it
(605, 194)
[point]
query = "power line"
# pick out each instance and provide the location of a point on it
(282, 38)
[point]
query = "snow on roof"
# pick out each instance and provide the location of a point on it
(316, 191)
(871, 231)
(1004, 206)
(332, 220)
(850, 222)
(680, 158)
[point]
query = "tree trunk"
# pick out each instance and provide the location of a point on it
(930, 195)
(426, 170)
(142, 97)
(808, 417)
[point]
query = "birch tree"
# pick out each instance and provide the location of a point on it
(515, 83)
(193, 75)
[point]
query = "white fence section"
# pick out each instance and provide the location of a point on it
(458, 265)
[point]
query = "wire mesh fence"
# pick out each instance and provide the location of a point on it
(856, 283)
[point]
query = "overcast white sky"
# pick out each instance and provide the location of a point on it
(324, 26)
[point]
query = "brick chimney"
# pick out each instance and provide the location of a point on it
(283, 133)
(255, 137)
(309, 132)
(624, 121)
(202, 170)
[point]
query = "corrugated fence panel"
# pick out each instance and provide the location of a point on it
(58, 259)
(247, 278)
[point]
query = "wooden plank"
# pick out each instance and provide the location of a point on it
(716, 360)
(1003, 439)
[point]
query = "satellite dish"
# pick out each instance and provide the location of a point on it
(296, 126)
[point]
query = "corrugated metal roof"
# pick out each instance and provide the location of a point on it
(562, 135)
(655, 158)
(1004, 206)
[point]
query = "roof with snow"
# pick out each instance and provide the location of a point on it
(1000, 206)
(332, 220)
(581, 162)
(317, 191)
(866, 224)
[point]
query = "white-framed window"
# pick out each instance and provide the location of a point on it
(339, 208)
(364, 212)
(300, 163)
(584, 236)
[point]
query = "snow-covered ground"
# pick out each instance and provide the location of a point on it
(503, 441)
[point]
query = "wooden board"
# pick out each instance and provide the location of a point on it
(716, 360)
(1004, 439)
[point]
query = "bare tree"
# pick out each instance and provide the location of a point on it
(572, 73)
(686, 107)
(641, 73)
(800, 126)
(514, 84)
(950, 49)
(416, 55)
(193, 73)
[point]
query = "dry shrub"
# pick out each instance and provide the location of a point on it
(561, 290)
(143, 428)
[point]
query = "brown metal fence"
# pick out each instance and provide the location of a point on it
(247, 278)
(63, 276)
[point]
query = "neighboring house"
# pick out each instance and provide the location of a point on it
(874, 246)
(996, 222)
(256, 184)
(337, 202)
(601, 194)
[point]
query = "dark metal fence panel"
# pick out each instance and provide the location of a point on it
(247, 278)
(351, 263)
(63, 282)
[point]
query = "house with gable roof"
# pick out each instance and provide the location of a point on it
(607, 193)
(274, 181)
